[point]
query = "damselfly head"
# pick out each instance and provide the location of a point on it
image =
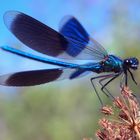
(132, 63)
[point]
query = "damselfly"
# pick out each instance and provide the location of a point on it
(71, 42)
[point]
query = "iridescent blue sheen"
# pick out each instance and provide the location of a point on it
(71, 42)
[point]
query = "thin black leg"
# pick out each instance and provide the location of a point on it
(110, 81)
(104, 86)
(96, 92)
(121, 82)
(132, 77)
(105, 90)
(125, 78)
(133, 80)
(101, 76)
(100, 82)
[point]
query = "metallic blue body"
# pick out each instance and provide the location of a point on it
(110, 64)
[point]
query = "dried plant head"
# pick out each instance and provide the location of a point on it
(123, 121)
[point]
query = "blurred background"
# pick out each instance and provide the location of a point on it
(64, 109)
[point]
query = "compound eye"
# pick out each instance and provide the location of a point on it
(131, 62)
(128, 62)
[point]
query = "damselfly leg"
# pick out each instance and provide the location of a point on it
(132, 77)
(103, 88)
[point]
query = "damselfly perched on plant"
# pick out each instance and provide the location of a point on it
(71, 42)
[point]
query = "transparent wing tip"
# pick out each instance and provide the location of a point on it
(9, 18)
(4, 79)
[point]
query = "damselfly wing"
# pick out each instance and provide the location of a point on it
(71, 42)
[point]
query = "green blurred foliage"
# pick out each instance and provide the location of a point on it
(41, 113)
